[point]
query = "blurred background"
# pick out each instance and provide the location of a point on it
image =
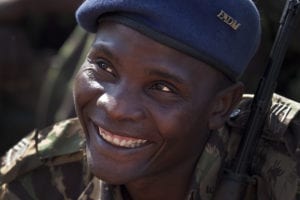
(41, 47)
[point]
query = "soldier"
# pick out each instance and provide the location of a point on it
(156, 102)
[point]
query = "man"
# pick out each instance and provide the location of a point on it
(153, 99)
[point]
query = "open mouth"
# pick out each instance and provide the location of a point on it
(120, 141)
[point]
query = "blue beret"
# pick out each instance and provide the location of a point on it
(222, 33)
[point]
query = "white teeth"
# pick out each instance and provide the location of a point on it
(121, 141)
(108, 137)
(116, 141)
(122, 144)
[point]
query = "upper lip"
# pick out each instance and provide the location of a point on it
(126, 133)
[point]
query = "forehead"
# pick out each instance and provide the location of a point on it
(124, 43)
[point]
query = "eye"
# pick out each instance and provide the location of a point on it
(163, 87)
(103, 65)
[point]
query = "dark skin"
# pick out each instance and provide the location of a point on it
(147, 111)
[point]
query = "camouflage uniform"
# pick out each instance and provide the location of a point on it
(50, 164)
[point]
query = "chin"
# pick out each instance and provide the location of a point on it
(116, 174)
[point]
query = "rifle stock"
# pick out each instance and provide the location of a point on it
(235, 179)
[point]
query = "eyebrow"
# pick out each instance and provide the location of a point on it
(101, 47)
(166, 75)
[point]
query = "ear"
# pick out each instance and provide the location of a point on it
(224, 102)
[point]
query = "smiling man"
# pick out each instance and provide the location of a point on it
(153, 99)
(147, 110)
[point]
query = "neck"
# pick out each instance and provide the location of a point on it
(173, 184)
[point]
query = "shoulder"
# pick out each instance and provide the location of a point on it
(65, 137)
(48, 157)
(277, 159)
(282, 114)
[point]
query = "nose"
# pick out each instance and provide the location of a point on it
(120, 104)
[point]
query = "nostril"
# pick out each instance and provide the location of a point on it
(122, 108)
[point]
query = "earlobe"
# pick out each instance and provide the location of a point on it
(224, 103)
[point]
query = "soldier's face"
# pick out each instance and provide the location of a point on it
(144, 106)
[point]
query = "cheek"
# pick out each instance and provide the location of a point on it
(185, 130)
(85, 89)
(181, 122)
(192, 131)
(184, 135)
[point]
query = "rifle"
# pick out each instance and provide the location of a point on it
(236, 178)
